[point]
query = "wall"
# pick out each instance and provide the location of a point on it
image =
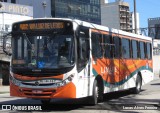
(156, 64)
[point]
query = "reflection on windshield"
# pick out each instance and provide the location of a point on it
(43, 51)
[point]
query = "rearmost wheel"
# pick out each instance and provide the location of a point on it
(137, 89)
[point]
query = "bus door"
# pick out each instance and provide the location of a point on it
(83, 60)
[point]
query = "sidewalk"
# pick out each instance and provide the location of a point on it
(156, 77)
(4, 89)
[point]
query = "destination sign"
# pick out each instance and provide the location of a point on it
(41, 26)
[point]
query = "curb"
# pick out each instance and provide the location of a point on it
(0, 82)
(4, 92)
(4, 89)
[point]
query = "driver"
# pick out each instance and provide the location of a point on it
(52, 52)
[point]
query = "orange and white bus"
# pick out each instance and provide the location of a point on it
(68, 58)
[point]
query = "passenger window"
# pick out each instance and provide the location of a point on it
(116, 47)
(134, 49)
(149, 51)
(96, 45)
(125, 48)
(107, 44)
(142, 50)
(83, 52)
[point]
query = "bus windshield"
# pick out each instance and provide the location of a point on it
(42, 51)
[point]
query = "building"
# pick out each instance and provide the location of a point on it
(154, 27)
(154, 32)
(116, 15)
(87, 10)
(10, 13)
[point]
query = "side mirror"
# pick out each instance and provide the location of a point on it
(7, 49)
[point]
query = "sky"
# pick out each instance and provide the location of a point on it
(146, 9)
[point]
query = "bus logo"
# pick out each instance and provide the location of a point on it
(36, 83)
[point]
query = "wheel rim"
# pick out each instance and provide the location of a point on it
(96, 91)
(138, 84)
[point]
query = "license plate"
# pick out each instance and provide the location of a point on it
(37, 91)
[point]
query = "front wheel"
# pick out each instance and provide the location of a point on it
(97, 94)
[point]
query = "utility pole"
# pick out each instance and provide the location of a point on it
(135, 17)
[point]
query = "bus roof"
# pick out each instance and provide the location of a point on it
(112, 30)
(95, 26)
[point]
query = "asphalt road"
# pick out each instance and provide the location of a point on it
(148, 101)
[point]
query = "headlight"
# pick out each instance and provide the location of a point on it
(14, 81)
(66, 81)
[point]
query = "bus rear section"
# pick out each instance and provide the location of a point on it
(121, 60)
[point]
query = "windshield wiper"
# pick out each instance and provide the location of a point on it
(25, 36)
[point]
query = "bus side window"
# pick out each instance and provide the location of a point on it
(125, 48)
(150, 45)
(83, 52)
(138, 48)
(107, 46)
(96, 45)
(142, 50)
(116, 47)
(134, 49)
(149, 51)
(145, 50)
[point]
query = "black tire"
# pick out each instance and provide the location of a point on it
(46, 101)
(137, 89)
(97, 95)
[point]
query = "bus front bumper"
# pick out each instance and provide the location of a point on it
(67, 91)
